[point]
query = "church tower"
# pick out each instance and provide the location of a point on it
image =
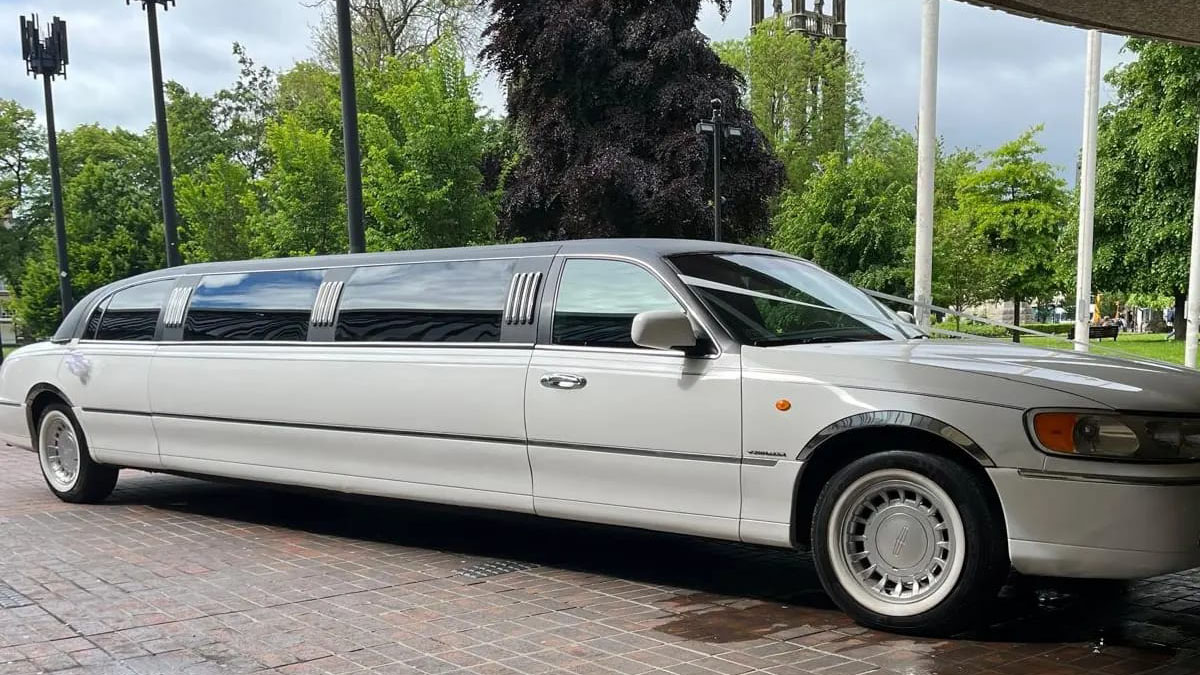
(826, 18)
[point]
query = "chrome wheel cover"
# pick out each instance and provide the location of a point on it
(896, 542)
(59, 450)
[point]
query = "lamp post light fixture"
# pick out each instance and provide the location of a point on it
(719, 129)
(166, 175)
(48, 59)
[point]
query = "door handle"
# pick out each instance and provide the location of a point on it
(559, 381)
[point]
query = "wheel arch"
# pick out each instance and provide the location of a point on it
(39, 397)
(848, 439)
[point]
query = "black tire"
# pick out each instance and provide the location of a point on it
(981, 560)
(91, 483)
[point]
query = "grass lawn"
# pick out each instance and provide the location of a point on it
(1146, 345)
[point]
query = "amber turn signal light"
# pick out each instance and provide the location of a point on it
(1056, 430)
(783, 405)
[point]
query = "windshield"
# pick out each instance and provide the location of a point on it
(770, 300)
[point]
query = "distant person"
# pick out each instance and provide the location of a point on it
(1169, 315)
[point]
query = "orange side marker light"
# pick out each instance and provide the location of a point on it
(783, 405)
(1056, 431)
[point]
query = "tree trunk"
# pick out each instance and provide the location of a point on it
(1180, 320)
(1016, 318)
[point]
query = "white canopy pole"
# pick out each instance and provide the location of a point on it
(926, 161)
(1087, 194)
(1193, 297)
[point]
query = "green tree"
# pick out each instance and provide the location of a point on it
(305, 189)
(193, 130)
(216, 206)
(22, 159)
(244, 111)
(113, 223)
(421, 181)
(855, 218)
(606, 95)
(310, 94)
(1146, 173)
(1021, 207)
(24, 201)
(501, 151)
(805, 94)
(93, 144)
(964, 266)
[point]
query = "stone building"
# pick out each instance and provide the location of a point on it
(823, 19)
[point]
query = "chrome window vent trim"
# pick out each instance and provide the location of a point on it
(511, 299)
(325, 306)
(176, 306)
(522, 298)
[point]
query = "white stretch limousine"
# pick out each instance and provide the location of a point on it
(691, 387)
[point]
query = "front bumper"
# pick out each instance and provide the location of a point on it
(1099, 527)
(14, 430)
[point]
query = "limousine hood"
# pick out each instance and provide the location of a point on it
(993, 372)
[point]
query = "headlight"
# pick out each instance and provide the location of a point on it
(1110, 436)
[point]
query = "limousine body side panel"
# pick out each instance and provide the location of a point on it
(653, 439)
(357, 485)
(21, 374)
(350, 457)
(106, 382)
(438, 416)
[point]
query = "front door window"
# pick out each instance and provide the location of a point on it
(598, 299)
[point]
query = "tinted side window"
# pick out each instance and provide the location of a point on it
(426, 302)
(93, 324)
(272, 306)
(132, 314)
(597, 300)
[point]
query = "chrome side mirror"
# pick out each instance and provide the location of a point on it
(666, 329)
(907, 317)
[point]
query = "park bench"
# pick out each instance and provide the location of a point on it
(1099, 332)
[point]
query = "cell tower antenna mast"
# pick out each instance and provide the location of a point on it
(166, 175)
(48, 58)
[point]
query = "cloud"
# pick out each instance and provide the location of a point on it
(108, 81)
(999, 74)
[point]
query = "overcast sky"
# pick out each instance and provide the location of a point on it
(999, 74)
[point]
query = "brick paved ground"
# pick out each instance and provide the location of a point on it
(181, 576)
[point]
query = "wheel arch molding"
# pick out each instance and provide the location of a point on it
(877, 419)
(36, 401)
(850, 438)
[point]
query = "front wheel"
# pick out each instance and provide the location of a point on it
(67, 466)
(905, 541)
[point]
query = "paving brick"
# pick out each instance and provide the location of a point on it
(180, 576)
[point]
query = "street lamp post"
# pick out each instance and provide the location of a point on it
(166, 175)
(48, 59)
(719, 129)
(354, 200)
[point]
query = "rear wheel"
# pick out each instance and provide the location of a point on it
(904, 541)
(67, 466)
